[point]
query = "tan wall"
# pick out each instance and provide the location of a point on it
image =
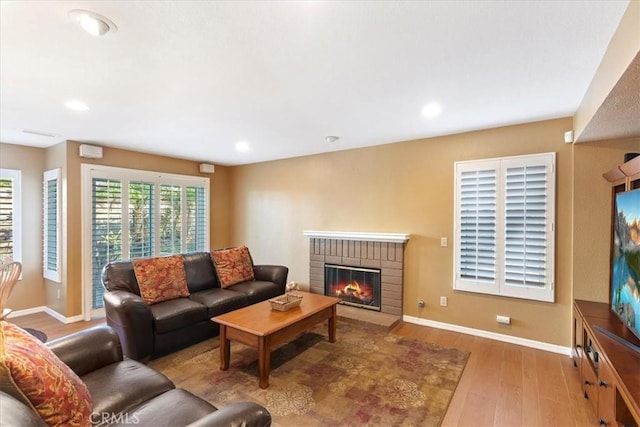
(29, 292)
(405, 187)
(592, 215)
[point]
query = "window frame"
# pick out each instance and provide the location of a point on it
(16, 231)
(53, 275)
(499, 286)
(126, 177)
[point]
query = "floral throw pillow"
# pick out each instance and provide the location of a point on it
(233, 265)
(161, 278)
(33, 374)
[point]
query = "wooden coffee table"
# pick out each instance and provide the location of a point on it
(263, 328)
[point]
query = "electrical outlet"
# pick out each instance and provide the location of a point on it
(443, 242)
(421, 303)
(443, 302)
(58, 293)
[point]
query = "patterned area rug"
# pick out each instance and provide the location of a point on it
(365, 378)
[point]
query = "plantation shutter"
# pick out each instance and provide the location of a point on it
(6, 218)
(141, 219)
(10, 215)
(504, 233)
(51, 238)
(52, 221)
(137, 214)
(526, 215)
(170, 219)
(529, 235)
(478, 225)
(106, 205)
(196, 219)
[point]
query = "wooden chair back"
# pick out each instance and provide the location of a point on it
(9, 274)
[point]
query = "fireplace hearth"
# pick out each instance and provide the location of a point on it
(356, 286)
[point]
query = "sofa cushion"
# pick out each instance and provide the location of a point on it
(233, 265)
(31, 373)
(177, 314)
(219, 301)
(174, 408)
(161, 278)
(258, 290)
(121, 386)
(200, 273)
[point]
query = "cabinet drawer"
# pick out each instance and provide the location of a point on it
(590, 384)
(606, 395)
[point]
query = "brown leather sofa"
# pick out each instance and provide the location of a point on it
(127, 392)
(148, 331)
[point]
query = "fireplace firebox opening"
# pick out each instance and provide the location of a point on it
(356, 286)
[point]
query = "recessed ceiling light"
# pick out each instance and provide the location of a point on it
(76, 105)
(92, 23)
(431, 110)
(242, 146)
(331, 138)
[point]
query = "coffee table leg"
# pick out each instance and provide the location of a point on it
(332, 324)
(264, 361)
(225, 349)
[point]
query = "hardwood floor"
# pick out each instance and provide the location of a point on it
(509, 385)
(502, 384)
(50, 326)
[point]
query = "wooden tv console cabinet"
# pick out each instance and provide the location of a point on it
(609, 371)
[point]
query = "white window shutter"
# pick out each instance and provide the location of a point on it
(504, 236)
(526, 215)
(142, 215)
(51, 226)
(196, 218)
(478, 225)
(529, 203)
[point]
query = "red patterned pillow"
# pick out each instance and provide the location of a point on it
(31, 373)
(161, 278)
(233, 265)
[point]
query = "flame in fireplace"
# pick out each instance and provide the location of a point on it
(353, 290)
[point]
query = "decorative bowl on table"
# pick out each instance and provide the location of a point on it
(285, 302)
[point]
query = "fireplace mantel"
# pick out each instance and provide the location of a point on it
(356, 235)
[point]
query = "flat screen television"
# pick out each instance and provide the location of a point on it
(625, 261)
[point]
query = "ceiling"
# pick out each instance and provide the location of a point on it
(189, 79)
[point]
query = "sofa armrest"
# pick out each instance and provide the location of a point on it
(245, 414)
(131, 318)
(272, 273)
(88, 350)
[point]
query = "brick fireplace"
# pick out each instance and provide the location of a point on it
(384, 251)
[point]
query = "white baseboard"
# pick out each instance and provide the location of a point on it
(51, 312)
(491, 335)
(27, 311)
